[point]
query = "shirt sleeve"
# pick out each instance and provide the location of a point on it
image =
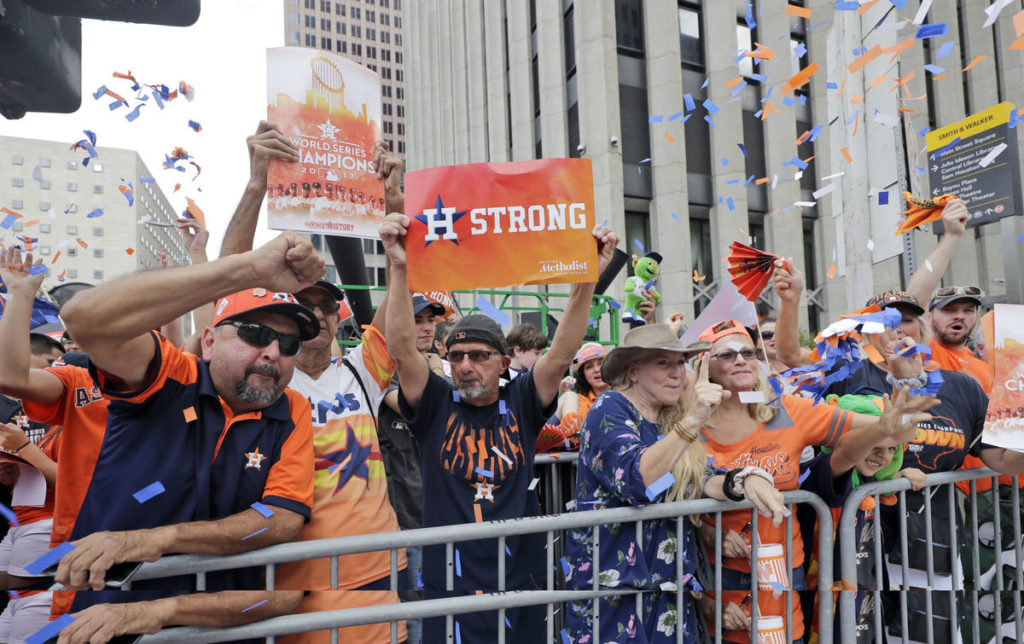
(290, 481)
(612, 447)
(817, 424)
(171, 363)
(435, 401)
(817, 477)
(373, 363)
(73, 378)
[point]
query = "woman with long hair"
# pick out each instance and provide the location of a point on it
(639, 446)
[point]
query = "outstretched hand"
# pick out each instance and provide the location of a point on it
(392, 236)
(268, 142)
(705, 396)
(788, 281)
(954, 217)
(15, 272)
(902, 412)
(607, 240)
(389, 170)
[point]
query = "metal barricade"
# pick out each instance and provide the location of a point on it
(557, 474)
(971, 581)
(553, 526)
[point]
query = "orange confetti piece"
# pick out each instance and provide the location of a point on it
(902, 81)
(800, 78)
(856, 99)
(735, 81)
(8, 211)
(799, 12)
(861, 10)
(197, 213)
(130, 251)
(1018, 23)
(190, 414)
(768, 106)
(62, 274)
(762, 52)
(31, 223)
(846, 155)
(761, 180)
(177, 187)
(873, 354)
(842, 88)
(831, 272)
(860, 61)
(54, 261)
(881, 78)
(906, 109)
(697, 277)
(81, 242)
(671, 139)
(803, 137)
(1017, 44)
(898, 48)
(974, 62)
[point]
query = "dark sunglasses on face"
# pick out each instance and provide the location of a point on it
(730, 356)
(476, 355)
(767, 335)
(327, 307)
(261, 336)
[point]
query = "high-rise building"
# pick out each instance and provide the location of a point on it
(80, 223)
(370, 33)
(698, 140)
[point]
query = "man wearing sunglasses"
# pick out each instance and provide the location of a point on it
(477, 441)
(192, 442)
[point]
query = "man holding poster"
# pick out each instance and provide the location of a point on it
(477, 439)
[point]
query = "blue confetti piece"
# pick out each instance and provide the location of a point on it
(656, 119)
(8, 221)
(195, 125)
(789, 101)
(159, 100)
(742, 148)
(945, 49)
(147, 180)
(254, 534)
(761, 78)
(659, 486)
(255, 605)
(638, 244)
(565, 566)
(675, 116)
(148, 492)
(96, 212)
(758, 113)
(802, 99)
(921, 170)
(134, 114)
(804, 475)
(455, 396)
(707, 79)
(860, 50)
(831, 85)
(924, 130)
(899, 4)
(100, 92)
(643, 161)
(419, 579)
(883, 197)
(725, 161)
(565, 637)
(846, 5)
(708, 119)
(674, 216)
(1021, 238)
(799, 50)
(113, 106)
(710, 106)
(492, 311)
(51, 630)
(777, 586)
(8, 514)
(686, 118)
(768, 95)
(482, 472)
(688, 100)
(262, 509)
(931, 30)
(739, 88)
(48, 559)
(732, 181)
(747, 182)
(751, 23)
(815, 131)
(946, 149)
(36, 270)
(853, 117)
(507, 550)
(729, 203)
(934, 69)
(458, 563)
(458, 634)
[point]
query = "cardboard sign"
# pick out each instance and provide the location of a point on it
(1004, 422)
(501, 224)
(330, 108)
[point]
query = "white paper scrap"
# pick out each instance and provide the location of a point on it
(991, 156)
(752, 397)
(829, 189)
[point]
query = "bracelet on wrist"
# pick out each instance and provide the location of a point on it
(686, 434)
(917, 382)
(728, 487)
(23, 446)
(741, 476)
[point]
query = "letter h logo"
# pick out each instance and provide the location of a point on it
(440, 222)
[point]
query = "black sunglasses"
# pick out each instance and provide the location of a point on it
(261, 336)
(327, 307)
(730, 356)
(767, 335)
(476, 355)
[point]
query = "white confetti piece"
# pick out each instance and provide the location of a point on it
(805, 204)
(991, 156)
(570, 505)
(53, 215)
(775, 180)
(993, 11)
(871, 245)
(833, 176)
(798, 175)
(829, 189)
(928, 265)
(533, 484)
(494, 448)
(922, 12)
(752, 397)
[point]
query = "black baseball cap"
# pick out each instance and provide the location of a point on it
(335, 292)
(477, 328)
(896, 297)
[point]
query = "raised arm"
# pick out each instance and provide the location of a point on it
(266, 143)
(86, 566)
(196, 237)
(15, 440)
(400, 326)
(789, 284)
(548, 372)
(898, 423)
(16, 378)
(925, 281)
(389, 170)
(111, 322)
(103, 622)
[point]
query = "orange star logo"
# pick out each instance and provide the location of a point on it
(255, 459)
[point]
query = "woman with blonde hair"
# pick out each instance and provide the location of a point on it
(639, 446)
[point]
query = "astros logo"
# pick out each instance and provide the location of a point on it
(255, 459)
(440, 222)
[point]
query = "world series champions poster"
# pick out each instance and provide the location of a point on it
(330, 109)
(1004, 422)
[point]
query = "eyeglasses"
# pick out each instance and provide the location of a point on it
(476, 355)
(327, 307)
(730, 356)
(261, 336)
(767, 335)
(950, 291)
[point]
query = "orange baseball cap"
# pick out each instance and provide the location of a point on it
(722, 329)
(260, 299)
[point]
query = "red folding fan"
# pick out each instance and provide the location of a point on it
(750, 269)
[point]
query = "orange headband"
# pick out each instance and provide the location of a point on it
(720, 330)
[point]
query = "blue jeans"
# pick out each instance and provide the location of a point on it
(414, 557)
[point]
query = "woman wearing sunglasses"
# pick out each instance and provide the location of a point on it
(639, 445)
(750, 430)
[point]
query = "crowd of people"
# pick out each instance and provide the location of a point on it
(130, 441)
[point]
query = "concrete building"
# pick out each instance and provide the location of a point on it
(662, 98)
(83, 223)
(370, 33)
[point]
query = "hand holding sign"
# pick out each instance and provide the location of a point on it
(392, 236)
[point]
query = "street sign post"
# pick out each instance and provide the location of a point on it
(976, 160)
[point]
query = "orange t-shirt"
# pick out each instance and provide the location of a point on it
(31, 514)
(962, 360)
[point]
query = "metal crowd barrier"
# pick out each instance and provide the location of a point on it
(945, 490)
(553, 526)
(557, 474)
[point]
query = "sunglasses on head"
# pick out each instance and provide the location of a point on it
(949, 291)
(476, 355)
(730, 356)
(327, 307)
(261, 336)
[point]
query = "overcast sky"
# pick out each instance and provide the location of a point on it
(223, 56)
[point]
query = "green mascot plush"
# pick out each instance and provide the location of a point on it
(646, 270)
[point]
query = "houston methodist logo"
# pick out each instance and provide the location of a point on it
(440, 220)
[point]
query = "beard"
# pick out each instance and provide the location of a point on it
(257, 395)
(471, 389)
(953, 338)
